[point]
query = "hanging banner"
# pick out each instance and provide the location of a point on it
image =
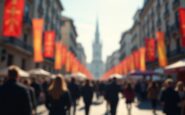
(37, 39)
(68, 62)
(182, 25)
(137, 60)
(150, 49)
(58, 56)
(142, 59)
(49, 44)
(64, 55)
(161, 49)
(13, 18)
(132, 65)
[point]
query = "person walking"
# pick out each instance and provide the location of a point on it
(181, 92)
(87, 94)
(75, 93)
(14, 97)
(129, 96)
(153, 94)
(112, 95)
(27, 83)
(170, 99)
(58, 98)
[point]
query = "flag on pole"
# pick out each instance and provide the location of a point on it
(49, 44)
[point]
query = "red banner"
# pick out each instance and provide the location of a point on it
(58, 57)
(182, 25)
(49, 43)
(37, 39)
(142, 59)
(13, 18)
(150, 49)
(137, 60)
(161, 49)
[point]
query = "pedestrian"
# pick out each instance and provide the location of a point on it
(153, 94)
(87, 94)
(14, 97)
(181, 91)
(58, 99)
(75, 93)
(38, 89)
(27, 83)
(129, 95)
(112, 95)
(170, 99)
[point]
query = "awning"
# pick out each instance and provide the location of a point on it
(39, 72)
(176, 67)
(22, 73)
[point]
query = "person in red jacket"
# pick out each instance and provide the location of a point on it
(129, 96)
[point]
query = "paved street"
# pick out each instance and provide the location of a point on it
(99, 109)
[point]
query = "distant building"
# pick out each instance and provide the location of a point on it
(81, 54)
(113, 60)
(97, 65)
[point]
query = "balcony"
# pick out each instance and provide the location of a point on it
(16, 43)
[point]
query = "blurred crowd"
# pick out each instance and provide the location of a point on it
(61, 95)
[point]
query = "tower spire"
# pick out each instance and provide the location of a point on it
(97, 36)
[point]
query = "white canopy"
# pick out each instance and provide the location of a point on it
(118, 76)
(178, 64)
(39, 72)
(79, 75)
(22, 73)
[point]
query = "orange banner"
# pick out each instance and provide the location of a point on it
(137, 60)
(68, 62)
(49, 44)
(142, 59)
(13, 18)
(161, 49)
(37, 39)
(58, 57)
(150, 49)
(182, 25)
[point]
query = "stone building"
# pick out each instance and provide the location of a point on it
(20, 51)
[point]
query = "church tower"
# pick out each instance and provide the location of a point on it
(97, 65)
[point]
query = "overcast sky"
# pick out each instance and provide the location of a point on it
(115, 16)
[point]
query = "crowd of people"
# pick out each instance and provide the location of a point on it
(61, 95)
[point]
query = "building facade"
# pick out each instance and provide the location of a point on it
(69, 34)
(81, 54)
(97, 65)
(113, 60)
(20, 51)
(156, 15)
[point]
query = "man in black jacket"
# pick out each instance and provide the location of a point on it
(112, 95)
(170, 99)
(14, 97)
(75, 93)
(87, 94)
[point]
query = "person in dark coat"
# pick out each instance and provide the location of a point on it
(32, 95)
(14, 97)
(170, 99)
(87, 94)
(75, 93)
(58, 100)
(38, 89)
(112, 95)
